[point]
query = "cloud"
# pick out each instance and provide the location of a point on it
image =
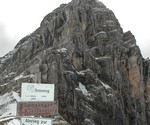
(23, 17)
(20, 18)
(144, 47)
(5, 41)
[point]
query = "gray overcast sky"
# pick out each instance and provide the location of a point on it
(18, 18)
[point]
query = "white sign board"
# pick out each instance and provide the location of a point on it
(37, 92)
(35, 121)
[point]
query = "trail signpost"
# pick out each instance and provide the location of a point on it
(36, 100)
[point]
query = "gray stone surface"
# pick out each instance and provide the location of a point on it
(100, 75)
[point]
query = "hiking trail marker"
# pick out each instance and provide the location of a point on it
(37, 92)
(36, 100)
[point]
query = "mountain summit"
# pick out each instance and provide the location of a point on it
(100, 75)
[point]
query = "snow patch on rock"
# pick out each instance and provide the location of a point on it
(62, 50)
(8, 105)
(22, 76)
(83, 89)
(8, 56)
(106, 86)
(13, 122)
(81, 73)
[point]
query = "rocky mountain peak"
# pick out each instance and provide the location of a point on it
(87, 2)
(100, 75)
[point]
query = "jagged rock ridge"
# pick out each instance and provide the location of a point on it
(100, 75)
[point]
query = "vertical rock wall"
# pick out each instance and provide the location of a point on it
(98, 70)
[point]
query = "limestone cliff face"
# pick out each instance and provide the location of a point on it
(99, 73)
